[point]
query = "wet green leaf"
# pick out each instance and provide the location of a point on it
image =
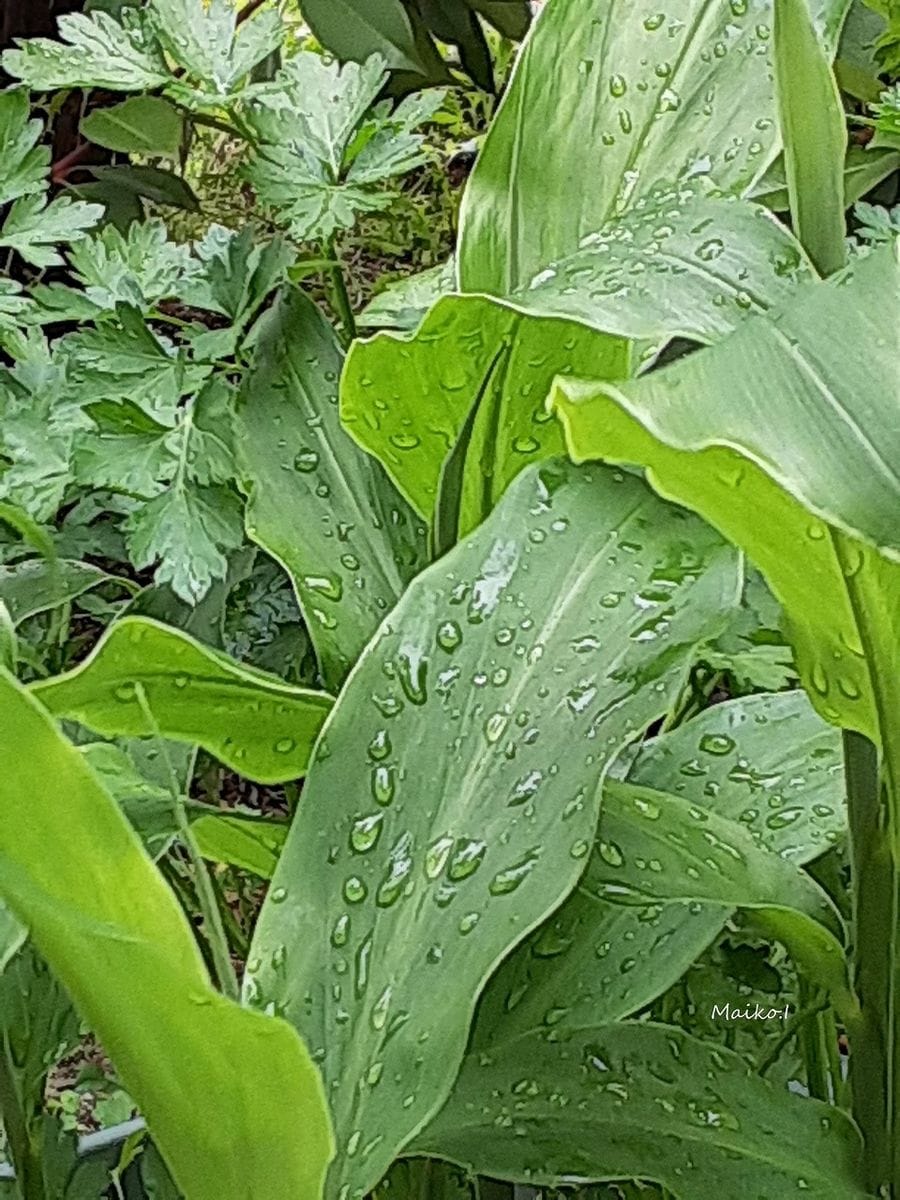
(257, 724)
(629, 98)
(453, 797)
(36, 585)
(783, 441)
(139, 125)
(405, 398)
(129, 959)
(622, 1100)
(679, 263)
(317, 503)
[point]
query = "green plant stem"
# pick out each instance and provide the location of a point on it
(874, 1052)
(23, 1151)
(812, 1046)
(213, 927)
(792, 1029)
(339, 294)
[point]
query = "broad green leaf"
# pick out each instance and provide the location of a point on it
(679, 263)
(249, 1115)
(93, 51)
(631, 99)
(768, 763)
(139, 125)
(659, 847)
(258, 725)
(642, 1100)
(143, 792)
(454, 793)
(864, 168)
(317, 503)
(405, 398)
(12, 936)
(357, 29)
(784, 442)
(814, 131)
(150, 183)
(252, 843)
(36, 585)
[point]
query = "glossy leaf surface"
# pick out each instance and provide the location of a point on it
(630, 98)
(317, 503)
(782, 441)
(642, 1100)
(128, 958)
(768, 763)
(255, 723)
(814, 132)
(454, 794)
(676, 263)
(405, 398)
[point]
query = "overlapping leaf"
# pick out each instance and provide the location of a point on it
(144, 678)
(765, 763)
(454, 794)
(407, 398)
(115, 948)
(629, 98)
(642, 1100)
(783, 442)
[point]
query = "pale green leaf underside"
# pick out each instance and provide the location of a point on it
(629, 1100)
(255, 723)
(784, 442)
(448, 808)
(128, 957)
(677, 263)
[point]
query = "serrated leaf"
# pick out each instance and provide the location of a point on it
(642, 1100)
(232, 275)
(320, 158)
(24, 163)
(186, 533)
(35, 228)
(207, 42)
(139, 125)
(255, 723)
(459, 816)
(93, 50)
